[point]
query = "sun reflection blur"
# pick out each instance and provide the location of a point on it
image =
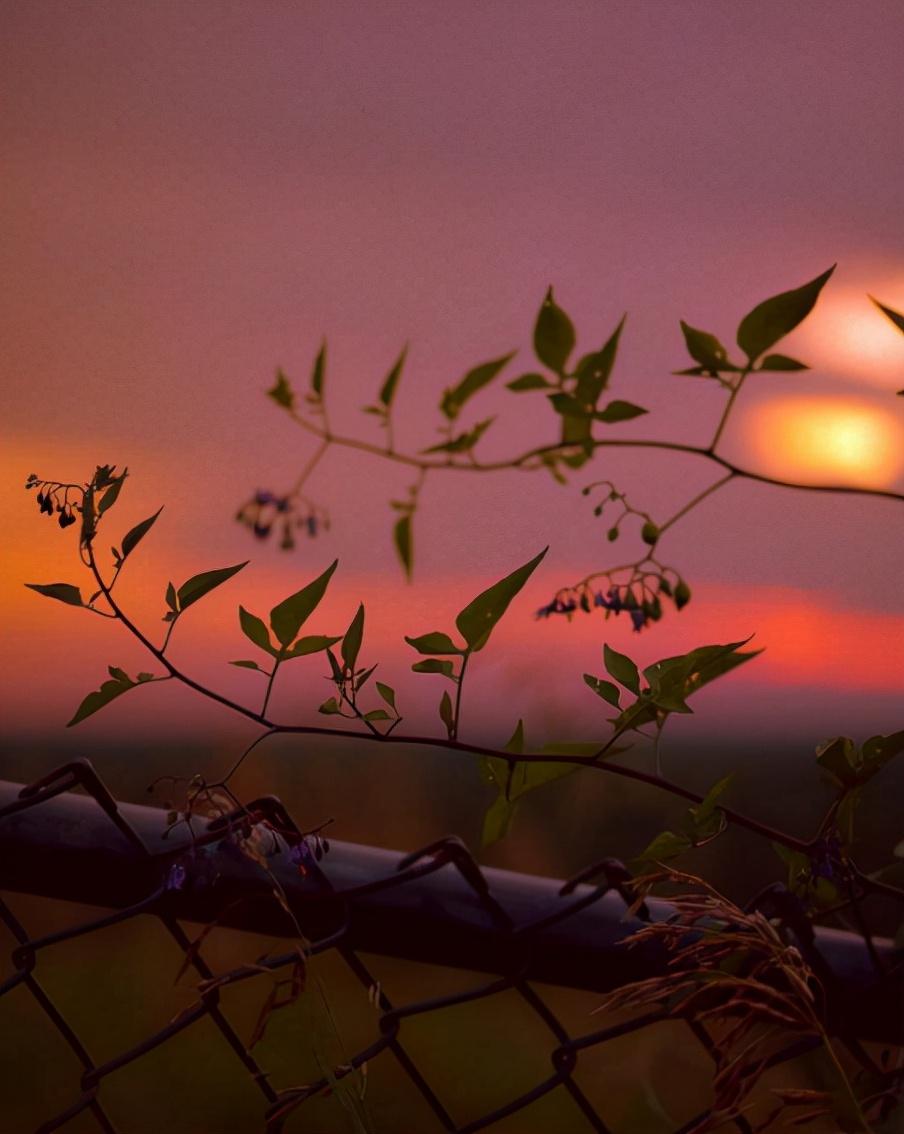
(837, 439)
(847, 336)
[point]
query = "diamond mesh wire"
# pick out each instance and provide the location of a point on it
(283, 974)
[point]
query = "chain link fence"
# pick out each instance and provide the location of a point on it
(255, 871)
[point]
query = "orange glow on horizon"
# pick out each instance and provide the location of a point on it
(842, 439)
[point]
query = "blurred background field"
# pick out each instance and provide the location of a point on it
(118, 985)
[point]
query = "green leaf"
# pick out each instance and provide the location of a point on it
(313, 644)
(498, 820)
(604, 689)
(568, 406)
(434, 643)
(401, 534)
(528, 382)
(621, 668)
(329, 707)
(530, 775)
(666, 845)
(774, 318)
(445, 711)
(889, 312)
(363, 676)
(377, 715)
(434, 665)
(475, 623)
(463, 442)
(705, 349)
(619, 411)
(515, 743)
(281, 392)
(781, 362)
(387, 693)
(839, 757)
(594, 370)
(553, 335)
(474, 380)
(387, 392)
(65, 592)
(318, 371)
(705, 820)
(351, 643)
(254, 629)
(287, 617)
(878, 750)
(133, 537)
(200, 585)
(249, 665)
(171, 600)
(109, 497)
(109, 691)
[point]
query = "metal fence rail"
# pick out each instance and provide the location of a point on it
(436, 905)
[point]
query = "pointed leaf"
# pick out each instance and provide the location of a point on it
(889, 312)
(200, 585)
(317, 373)
(445, 711)
(568, 406)
(515, 743)
(553, 335)
(64, 592)
(498, 820)
(594, 370)
(330, 707)
(108, 692)
(604, 689)
(254, 629)
(109, 497)
(474, 380)
(463, 442)
(287, 617)
(281, 392)
(351, 643)
(377, 715)
(433, 665)
(133, 537)
(619, 411)
(705, 349)
(248, 665)
(313, 644)
(774, 318)
(622, 669)
(476, 621)
(781, 362)
(387, 392)
(528, 382)
(401, 535)
(434, 643)
(387, 693)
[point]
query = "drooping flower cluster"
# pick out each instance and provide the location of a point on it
(266, 511)
(53, 497)
(637, 597)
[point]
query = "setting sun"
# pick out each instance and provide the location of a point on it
(850, 338)
(846, 440)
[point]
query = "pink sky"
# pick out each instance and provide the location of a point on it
(198, 193)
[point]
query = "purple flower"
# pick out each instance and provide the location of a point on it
(176, 878)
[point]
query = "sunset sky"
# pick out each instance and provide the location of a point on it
(195, 194)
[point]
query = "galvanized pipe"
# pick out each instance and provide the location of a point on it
(66, 847)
